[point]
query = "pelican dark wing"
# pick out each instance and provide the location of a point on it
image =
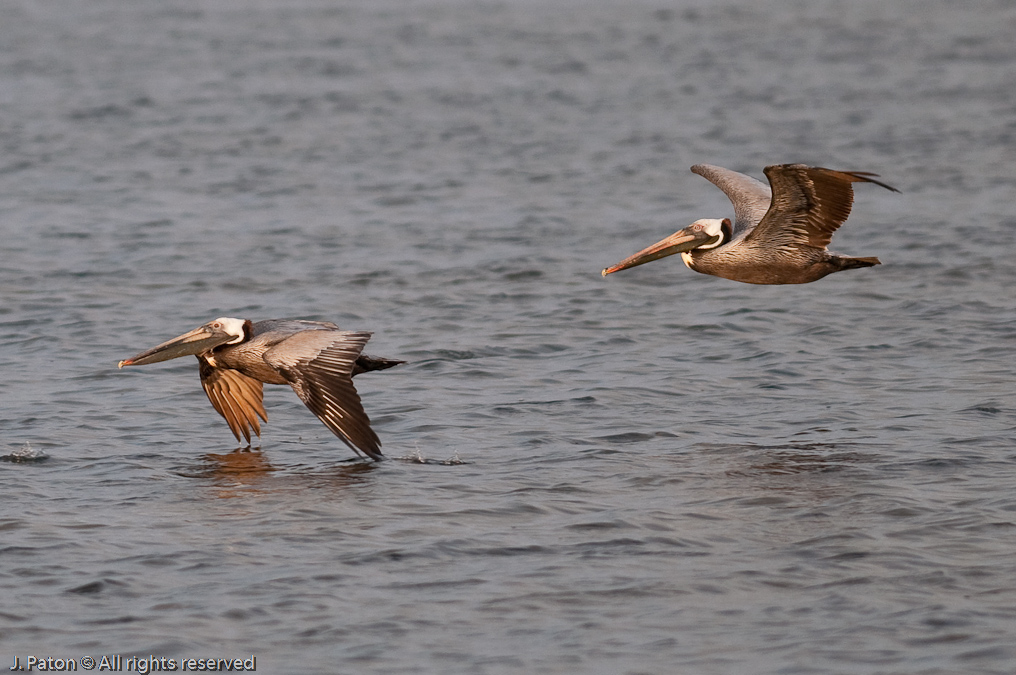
(749, 197)
(319, 364)
(809, 204)
(236, 397)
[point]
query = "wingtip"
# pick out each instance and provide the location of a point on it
(372, 453)
(868, 177)
(881, 184)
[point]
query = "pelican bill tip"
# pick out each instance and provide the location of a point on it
(123, 363)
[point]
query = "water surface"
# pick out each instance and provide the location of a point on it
(657, 472)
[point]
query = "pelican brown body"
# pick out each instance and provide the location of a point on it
(316, 358)
(780, 231)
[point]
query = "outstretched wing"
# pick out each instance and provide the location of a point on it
(236, 397)
(809, 204)
(318, 364)
(750, 197)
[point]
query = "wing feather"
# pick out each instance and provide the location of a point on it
(750, 197)
(319, 364)
(238, 398)
(809, 204)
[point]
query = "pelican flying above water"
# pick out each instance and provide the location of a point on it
(780, 231)
(315, 358)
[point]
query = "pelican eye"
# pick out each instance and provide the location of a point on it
(216, 325)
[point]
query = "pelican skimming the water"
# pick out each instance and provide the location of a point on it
(315, 358)
(780, 231)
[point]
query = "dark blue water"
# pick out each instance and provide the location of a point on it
(657, 472)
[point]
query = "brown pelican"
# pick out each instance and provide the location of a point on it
(779, 235)
(315, 358)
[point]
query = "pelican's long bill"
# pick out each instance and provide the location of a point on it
(680, 241)
(193, 343)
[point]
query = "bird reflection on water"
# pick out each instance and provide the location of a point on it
(784, 460)
(246, 471)
(798, 473)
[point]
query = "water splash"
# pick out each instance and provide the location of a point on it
(26, 453)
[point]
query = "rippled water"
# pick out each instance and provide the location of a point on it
(657, 472)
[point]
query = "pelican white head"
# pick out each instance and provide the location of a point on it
(711, 227)
(230, 326)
